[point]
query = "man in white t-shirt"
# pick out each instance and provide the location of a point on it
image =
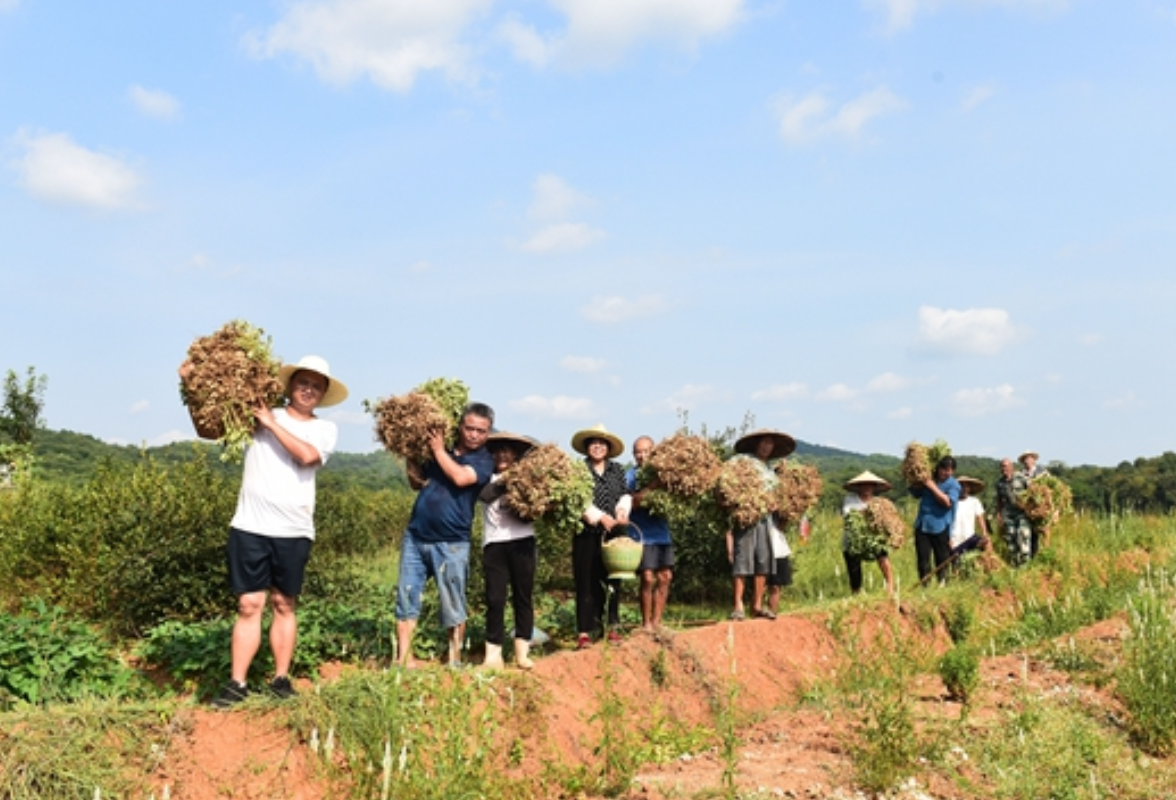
(968, 517)
(271, 533)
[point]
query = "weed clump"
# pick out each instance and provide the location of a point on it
(232, 372)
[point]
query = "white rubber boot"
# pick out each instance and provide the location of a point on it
(493, 658)
(522, 650)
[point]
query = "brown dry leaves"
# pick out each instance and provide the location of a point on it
(915, 467)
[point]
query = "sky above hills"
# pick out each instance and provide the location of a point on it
(862, 223)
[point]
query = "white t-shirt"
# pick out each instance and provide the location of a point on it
(501, 524)
(963, 527)
(277, 493)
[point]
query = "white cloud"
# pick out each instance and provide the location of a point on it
(977, 97)
(887, 382)
(8, 5)
(982, 401)
(1124, 402)
(55, 169)
(527, 44)
(838, 392)
(563, 237)
(558, 407)
(599, 33)
(689, 397)
(901, 413)
(1091, 339)
(781, 391)
(983, 331)
(900, 14)
(154, 103)
(810, 118)
(139, 407)
(421, 266)
(553, 199)
(582, 363)
(617, 309)
(390, 41)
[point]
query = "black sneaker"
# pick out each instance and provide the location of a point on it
(281, 688)
(230, 694)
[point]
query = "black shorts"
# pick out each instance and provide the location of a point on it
(258, 563)
(656, 557)
(782, 576)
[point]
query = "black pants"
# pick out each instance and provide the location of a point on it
(927, 544)
(592, 585)
(853, 568)
(509, 563)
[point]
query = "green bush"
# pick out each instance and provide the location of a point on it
(141, 543)
(1147, 679)
(47, 657)
(960, 670)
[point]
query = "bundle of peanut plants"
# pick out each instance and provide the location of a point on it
(918, 463)
(230, 373)
(797, 492)
(681, 470)
(745, 491)
(550, 488)
(1045, 500)
(875, 529)
(405, 422)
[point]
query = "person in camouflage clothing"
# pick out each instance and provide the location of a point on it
(1018, 533)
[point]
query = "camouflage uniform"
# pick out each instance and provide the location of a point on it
(1018, 533)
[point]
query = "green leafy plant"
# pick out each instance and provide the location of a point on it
(47, 657)
(960, 670)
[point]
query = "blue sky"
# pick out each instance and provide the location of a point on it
(862, 222)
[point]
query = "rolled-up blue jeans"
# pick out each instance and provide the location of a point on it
(446, 562)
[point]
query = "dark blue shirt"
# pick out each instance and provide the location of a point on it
(444, 512)
(654, 530)
(933, 517)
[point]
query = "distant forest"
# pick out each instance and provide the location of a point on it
(1144, 485)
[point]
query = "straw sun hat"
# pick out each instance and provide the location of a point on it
(580, 440)
(520, 443)
(783, 444)
(1028, 454)
(336, 390)
(975, 485)
(868, 477)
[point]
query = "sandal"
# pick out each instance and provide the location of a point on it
(764, 613)
(583, 642)
(738, 615)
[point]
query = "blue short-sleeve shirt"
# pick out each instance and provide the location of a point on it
(444, 512)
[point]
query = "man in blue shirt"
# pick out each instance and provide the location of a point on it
(656, 569)
(937, 503)
(437, 541)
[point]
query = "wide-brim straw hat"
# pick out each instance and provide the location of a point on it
(1033, 453)
(336, 390)
(783, 444)
(868, 477)
(615, 445)
(975, 485)
(520, 443)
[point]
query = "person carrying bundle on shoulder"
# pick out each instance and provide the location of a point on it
(272, 530)
(938, 497)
